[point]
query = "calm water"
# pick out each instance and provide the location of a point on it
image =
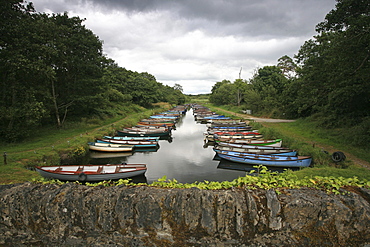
(184, 158)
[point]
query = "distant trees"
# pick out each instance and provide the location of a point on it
(263, 93)
(53, 68)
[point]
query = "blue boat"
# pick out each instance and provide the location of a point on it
(241, 152)
(217, 117)
(270, 160)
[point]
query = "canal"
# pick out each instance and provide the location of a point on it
(184, 158)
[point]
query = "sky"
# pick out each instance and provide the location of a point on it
(196, 43)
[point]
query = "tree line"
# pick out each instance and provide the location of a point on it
(328, 80)
(53, 68)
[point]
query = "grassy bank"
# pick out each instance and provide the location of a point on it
(49, 145)
(318, 143)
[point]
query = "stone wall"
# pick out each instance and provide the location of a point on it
(77, 215)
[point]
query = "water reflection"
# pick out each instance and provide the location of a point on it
(185, 158)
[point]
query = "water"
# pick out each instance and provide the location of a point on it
(185, 158)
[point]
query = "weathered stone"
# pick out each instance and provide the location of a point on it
(77, 215)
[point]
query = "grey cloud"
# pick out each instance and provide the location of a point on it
(197, 42)
(237, 17)
(264, 18)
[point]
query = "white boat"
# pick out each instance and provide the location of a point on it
(91, 173)
(110, 147)
(136, 144)
(133, 138)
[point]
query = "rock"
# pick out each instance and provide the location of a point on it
(78, 215)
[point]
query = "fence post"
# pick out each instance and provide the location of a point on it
(5, 158)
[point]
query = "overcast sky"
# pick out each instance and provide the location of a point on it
(196, 43)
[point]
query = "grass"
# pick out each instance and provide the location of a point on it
(49, 144)
(350, 172)
(328, 137)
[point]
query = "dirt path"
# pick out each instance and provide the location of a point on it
(327, 148)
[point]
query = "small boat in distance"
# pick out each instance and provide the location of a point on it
(91, 173)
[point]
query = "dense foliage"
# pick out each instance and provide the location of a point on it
(261, 178)
(53, 68)
(328, 80)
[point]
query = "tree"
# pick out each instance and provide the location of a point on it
(240, 89)
(269, 83)
(335, 64)
(219, 84)
(21, 71)
(224, 94)
(178, 87)
(287, 66)
(78, 65)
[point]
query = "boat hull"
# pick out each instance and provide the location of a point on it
(138, 134)
(109, 147)
(133, 138)
(91, 173)
(272, 143)
(285, 152)
(273, 160)
(136, 144)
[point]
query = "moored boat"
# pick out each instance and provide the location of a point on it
(249, 146)
(153, 120)
(234, 123)
(146, 129)
(110, 147)
(133, 138)
(140, 124)
(136, 144)
(233, 135)
(274, 142)
(282, 151)
(269, 160)
(143, 133)
(91, 173)
(164, 117)
(229, 129)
